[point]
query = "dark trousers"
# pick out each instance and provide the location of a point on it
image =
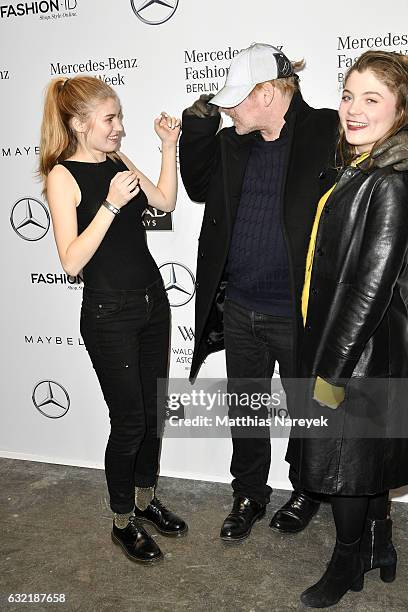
(126, 334)
(254, 342)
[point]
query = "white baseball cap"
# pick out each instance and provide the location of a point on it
(256, 64)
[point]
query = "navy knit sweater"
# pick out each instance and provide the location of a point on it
(258, 271)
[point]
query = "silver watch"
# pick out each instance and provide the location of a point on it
(111, 207)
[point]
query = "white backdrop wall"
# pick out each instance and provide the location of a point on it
(153, 66)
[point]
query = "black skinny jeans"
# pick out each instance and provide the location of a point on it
(253, 343)
(126, 334)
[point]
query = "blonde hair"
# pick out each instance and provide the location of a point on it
(288, 85)
(392, 70)
(65, 99)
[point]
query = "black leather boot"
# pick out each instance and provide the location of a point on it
(165, 521)
(377, 549)
(345, 572)
(137, 544)
(296, 514)
(238, 524)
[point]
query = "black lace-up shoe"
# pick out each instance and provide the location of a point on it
(238, 524)
(137, 544)
(165, 521)
(296, 514)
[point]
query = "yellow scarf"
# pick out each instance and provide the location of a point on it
(324, 392)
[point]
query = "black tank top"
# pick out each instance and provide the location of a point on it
(122, 260)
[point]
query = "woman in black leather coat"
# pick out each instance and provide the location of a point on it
(355, 348)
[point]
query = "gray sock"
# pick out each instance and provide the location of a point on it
(143, 497)
(121, 520)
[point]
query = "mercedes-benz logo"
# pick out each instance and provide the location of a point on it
(51, 399)
(154, 12)
(179, 283)
(30, 219)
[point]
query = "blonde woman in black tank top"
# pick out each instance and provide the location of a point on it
(96, 198)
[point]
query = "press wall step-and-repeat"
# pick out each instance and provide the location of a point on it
(158, 55)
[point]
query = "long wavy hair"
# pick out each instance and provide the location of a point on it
(392, 70)
(65, 99)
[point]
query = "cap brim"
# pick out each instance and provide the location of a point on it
(228, 96)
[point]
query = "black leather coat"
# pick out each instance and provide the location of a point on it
(212, 168)
(356, 334)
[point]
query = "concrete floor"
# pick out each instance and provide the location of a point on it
(55, 538)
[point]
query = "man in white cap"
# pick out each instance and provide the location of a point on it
(261, 181)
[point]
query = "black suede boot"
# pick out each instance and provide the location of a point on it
(345, 572)
(377, 549)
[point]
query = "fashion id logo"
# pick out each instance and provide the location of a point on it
(45, 9)
(54, 279)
